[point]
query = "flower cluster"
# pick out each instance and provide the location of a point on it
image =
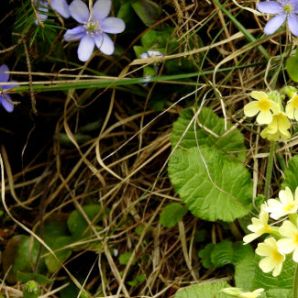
(268, 107)
(283, 11)
(93, 28)
(283, 239)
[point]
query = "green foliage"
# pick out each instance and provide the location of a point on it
(279, 293)
(20, 255)
(172, 214)
(124, 258)
(76, 222)
(207, 129)
(204, 290)
(148, 11)
(290, 174)
(292, 67)
(137, 280)
(212, 186)
(223, 253)
(31, 290)
(54, 263)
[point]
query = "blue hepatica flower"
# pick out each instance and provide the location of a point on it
(284, 11)
(95, 25)
(42, 7)
(5, 99)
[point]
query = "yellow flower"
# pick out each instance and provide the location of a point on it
(292, 107)
(273, 260)
(286, 204)
(237, 292)
(277, 130)
(258, 227)
(263, 106)
(289, 244)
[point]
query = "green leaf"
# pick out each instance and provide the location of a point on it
(76, 222)
(207, 129)
(204, 290)
(137, 280)
(212, 186)
(279, 293)
(290, 174)
(124, 258)
(31, 290)
(292, 67)
(172, 214)
(20, 255)
(62, 253)
(147, 10)
(27, 276)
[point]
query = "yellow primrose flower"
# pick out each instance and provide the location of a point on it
(292, 107)
(289, 244)
(277, 130)
(237, 292)
(273, 260)
(258, 227)
(286, 204)
(263, 106)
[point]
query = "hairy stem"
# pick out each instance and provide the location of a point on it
(269, 169)
(295, 285)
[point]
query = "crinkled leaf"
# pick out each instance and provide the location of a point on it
(279, 293)
(212, 186)
(172, 214)
(204, 290)
(290, 174)
(207, 129)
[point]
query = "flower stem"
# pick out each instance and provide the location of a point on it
(269, 171)
(295, 285)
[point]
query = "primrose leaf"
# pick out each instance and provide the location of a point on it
(204, 290)
(212, 186)
(207, 129)
(172, 214)
(292, 67)
(290, 174)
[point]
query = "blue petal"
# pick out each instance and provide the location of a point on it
(4, 73)
(275, 23)
(86, 47)
(79, 11)
(6, 103)
(61, 7)
(101, 9)
(11, 85)
(75, 33)
(270, 7)
(113, 25)
(105, 44)
(293, 23)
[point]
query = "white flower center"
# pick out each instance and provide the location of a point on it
(93, 27)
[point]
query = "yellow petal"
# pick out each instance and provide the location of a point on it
(264, 117)
(259, 95)
(251, 109)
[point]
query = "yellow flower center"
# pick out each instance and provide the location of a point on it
(295, 239)
(294, 101)
(288, 8)
(277, 257)
(267, 229)
(289, 207)
(264, 105)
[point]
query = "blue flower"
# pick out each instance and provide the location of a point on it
(42, 7)
(5, 99)
(284, 11)
(95, 25)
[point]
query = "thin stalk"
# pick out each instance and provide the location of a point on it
(295, 285)
(269, 171)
